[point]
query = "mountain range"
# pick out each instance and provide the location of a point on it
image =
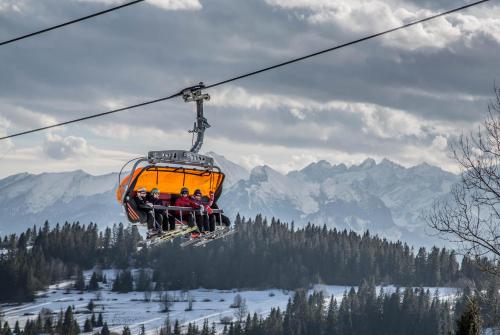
(384, 198)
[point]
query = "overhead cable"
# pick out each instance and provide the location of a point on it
(294, 60)
(70, 22)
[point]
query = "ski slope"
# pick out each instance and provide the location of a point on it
(130, 308)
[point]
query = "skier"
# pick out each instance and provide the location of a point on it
(205, 210)
(186, 201)
(147, 213)
(213, 218)
(155, 200)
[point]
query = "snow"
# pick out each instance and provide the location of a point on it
(385, 197)
(130, 308)
(233, 172)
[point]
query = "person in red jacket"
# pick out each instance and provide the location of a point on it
(186, 201)
(213, 219)
(205, 210)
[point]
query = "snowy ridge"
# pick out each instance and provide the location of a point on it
(233, 172)
(58, 197)
(386, 198)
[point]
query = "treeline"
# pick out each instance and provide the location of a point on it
(263, 255)
(412, 311)
(64, 323)
(362, 312)
(260, 255)
(42, 256)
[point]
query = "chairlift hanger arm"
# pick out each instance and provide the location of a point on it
(194, 94)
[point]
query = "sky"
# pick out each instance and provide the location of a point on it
(405, 97)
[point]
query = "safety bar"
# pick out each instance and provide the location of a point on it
(187, 209)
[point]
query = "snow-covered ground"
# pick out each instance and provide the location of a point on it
(130, 308)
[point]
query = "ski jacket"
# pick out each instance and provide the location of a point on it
(186, 202)
(141, 204)
(155, 201)
(207, 205)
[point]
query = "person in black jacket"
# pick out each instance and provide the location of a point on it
(154, 220)
(155, 200)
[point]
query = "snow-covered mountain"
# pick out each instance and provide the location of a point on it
(233, 171)
(29, 199)
(385, 198)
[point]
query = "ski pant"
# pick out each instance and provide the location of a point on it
(202, 221)
(186, 216)
(170, 220)
(154, 220)
(215, 219)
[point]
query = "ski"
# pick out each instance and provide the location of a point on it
(223, 233)
(170, 235)
(202, 237)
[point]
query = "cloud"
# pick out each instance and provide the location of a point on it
(5, 145)
(19, 117)
(163, 4)
(375, 99)
(375, 120)
(371, 16)
(57, 147)
(11, 5)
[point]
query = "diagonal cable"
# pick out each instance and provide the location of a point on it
(69, 22)
(294, 60)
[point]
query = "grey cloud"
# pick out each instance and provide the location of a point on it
(143, 53)
(57, 147)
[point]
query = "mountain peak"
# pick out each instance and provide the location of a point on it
(366, 164)
(318, 171)
(259, 174)
(233, 171)
(389, 163)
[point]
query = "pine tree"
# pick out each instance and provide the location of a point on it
(126, 331)
(105, 329)
(167, 327)
(93, 283)
(177, 328)
(87, 326)
(49, 324)
(69, 326)
(6, 329)
(91, 305)
(470, 322)
(124, 282)
(143, 283)
(17, 329)
(205, 330)
(100, 321)
(80, 281)
(59, 324)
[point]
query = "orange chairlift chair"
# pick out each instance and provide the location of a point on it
(171, 170)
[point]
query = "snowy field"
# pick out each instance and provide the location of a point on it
(120, 309)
